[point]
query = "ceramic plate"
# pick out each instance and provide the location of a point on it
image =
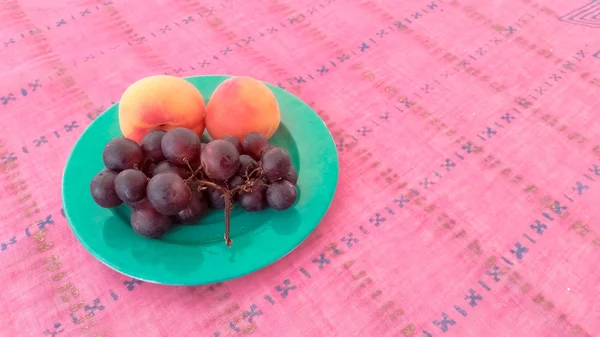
(197, 254)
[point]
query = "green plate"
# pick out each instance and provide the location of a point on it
(197, 254)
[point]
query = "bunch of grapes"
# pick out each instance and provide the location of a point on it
(173, 178)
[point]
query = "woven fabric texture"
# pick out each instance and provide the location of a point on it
(467, 134)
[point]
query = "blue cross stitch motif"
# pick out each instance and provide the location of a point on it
(322, 260)
(519, 250)
(377, 220)
(286, 287)
(401, 201)
(445, 322)
(252, 313)
(93, 308)
(580, 187)
(55, 331)
(495, 273)
(4, 246)
(448, 165)
(473, 297)
(131, 284)
(350, 240)
(558, 208)
(539, 227)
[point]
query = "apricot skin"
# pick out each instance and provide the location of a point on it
(240, 105)
(160, 102)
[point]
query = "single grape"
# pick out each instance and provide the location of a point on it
(247, 165)
(151, 145)
(215, 197)
(168, 193)
(235, 182)
(220, 159)
(180, 145)
(130, 185)
(275, 163)
(254, 144)
(148, 222)
(166, 166)
(102, 188)
(194, 211)
(121, 154)
(236, 142)
(254, 200)
(281, 195)
(291, 175)
(202, 146)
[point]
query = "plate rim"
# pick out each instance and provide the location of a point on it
(258, 266)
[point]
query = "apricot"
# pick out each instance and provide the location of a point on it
(160, 102)
(240, 105)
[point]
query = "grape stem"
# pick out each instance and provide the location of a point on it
(194, 172)
(228, 208)
(227, 195)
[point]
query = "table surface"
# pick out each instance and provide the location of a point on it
(467, 134)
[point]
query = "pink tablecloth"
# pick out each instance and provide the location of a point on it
(469, 164)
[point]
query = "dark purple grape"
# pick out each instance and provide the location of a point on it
(130, 185)
(194, 211)
(247, 165)
(121, 154)
(254, 200)
(254, 144)
(215, 196)
(102, 188)
(275, 163)
(220, 159)
(291, 175)
(166, 166)
(168, 193)
(236, 142)
(148, 222)
(180, 145)
(281, 195)
(235, 182)
(151, 145)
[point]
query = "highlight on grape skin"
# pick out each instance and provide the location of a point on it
(254, 144)
(152, 145)
(281, 195)
(148, 222)
(181, 146)
(130, 185)
(168, 193)
(255, 199)
(220, 160)
(121, 154)
(275, 163)
(173, 178)
(194, 210)
(102, 188)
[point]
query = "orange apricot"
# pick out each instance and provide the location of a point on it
(240, 105)
(160, 102)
